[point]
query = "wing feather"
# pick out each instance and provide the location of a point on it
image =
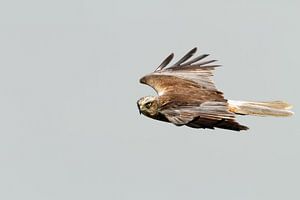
(196, 59)
(185, 57)
(206, 62)
(165, 62)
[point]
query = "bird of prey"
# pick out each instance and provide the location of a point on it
(187, 96)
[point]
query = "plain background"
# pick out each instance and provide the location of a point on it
(69, 125)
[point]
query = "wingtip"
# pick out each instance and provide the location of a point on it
(165, 62)
(193, 51)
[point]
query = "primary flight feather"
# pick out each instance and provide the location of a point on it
(187, 96)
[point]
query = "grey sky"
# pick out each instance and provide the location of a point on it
(70, 128)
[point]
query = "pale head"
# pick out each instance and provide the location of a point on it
(148, 106)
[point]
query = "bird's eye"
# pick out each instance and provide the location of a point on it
(148, 105)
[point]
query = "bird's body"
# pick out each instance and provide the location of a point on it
(187, 96)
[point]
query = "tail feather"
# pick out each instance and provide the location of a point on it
(272, 108)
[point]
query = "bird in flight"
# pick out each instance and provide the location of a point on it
(187, 96)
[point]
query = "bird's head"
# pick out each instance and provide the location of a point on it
(148, 106)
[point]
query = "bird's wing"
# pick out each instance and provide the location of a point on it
(181, 115)
(185, 77)
(207, 115)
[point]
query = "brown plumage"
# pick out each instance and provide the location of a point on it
(187, 96)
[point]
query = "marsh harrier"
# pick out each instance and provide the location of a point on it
(187, 96)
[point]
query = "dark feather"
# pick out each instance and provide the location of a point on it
(196, 59)
(205, 63)
(230, 124)
(185, 57)
(165, 62)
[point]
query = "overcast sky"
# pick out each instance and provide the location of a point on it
(70, 128)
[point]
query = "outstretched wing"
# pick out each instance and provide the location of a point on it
(187, 93)
(185, 77)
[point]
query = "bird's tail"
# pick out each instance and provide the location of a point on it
(271, 108)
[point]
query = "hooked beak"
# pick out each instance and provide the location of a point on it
(138, 105)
